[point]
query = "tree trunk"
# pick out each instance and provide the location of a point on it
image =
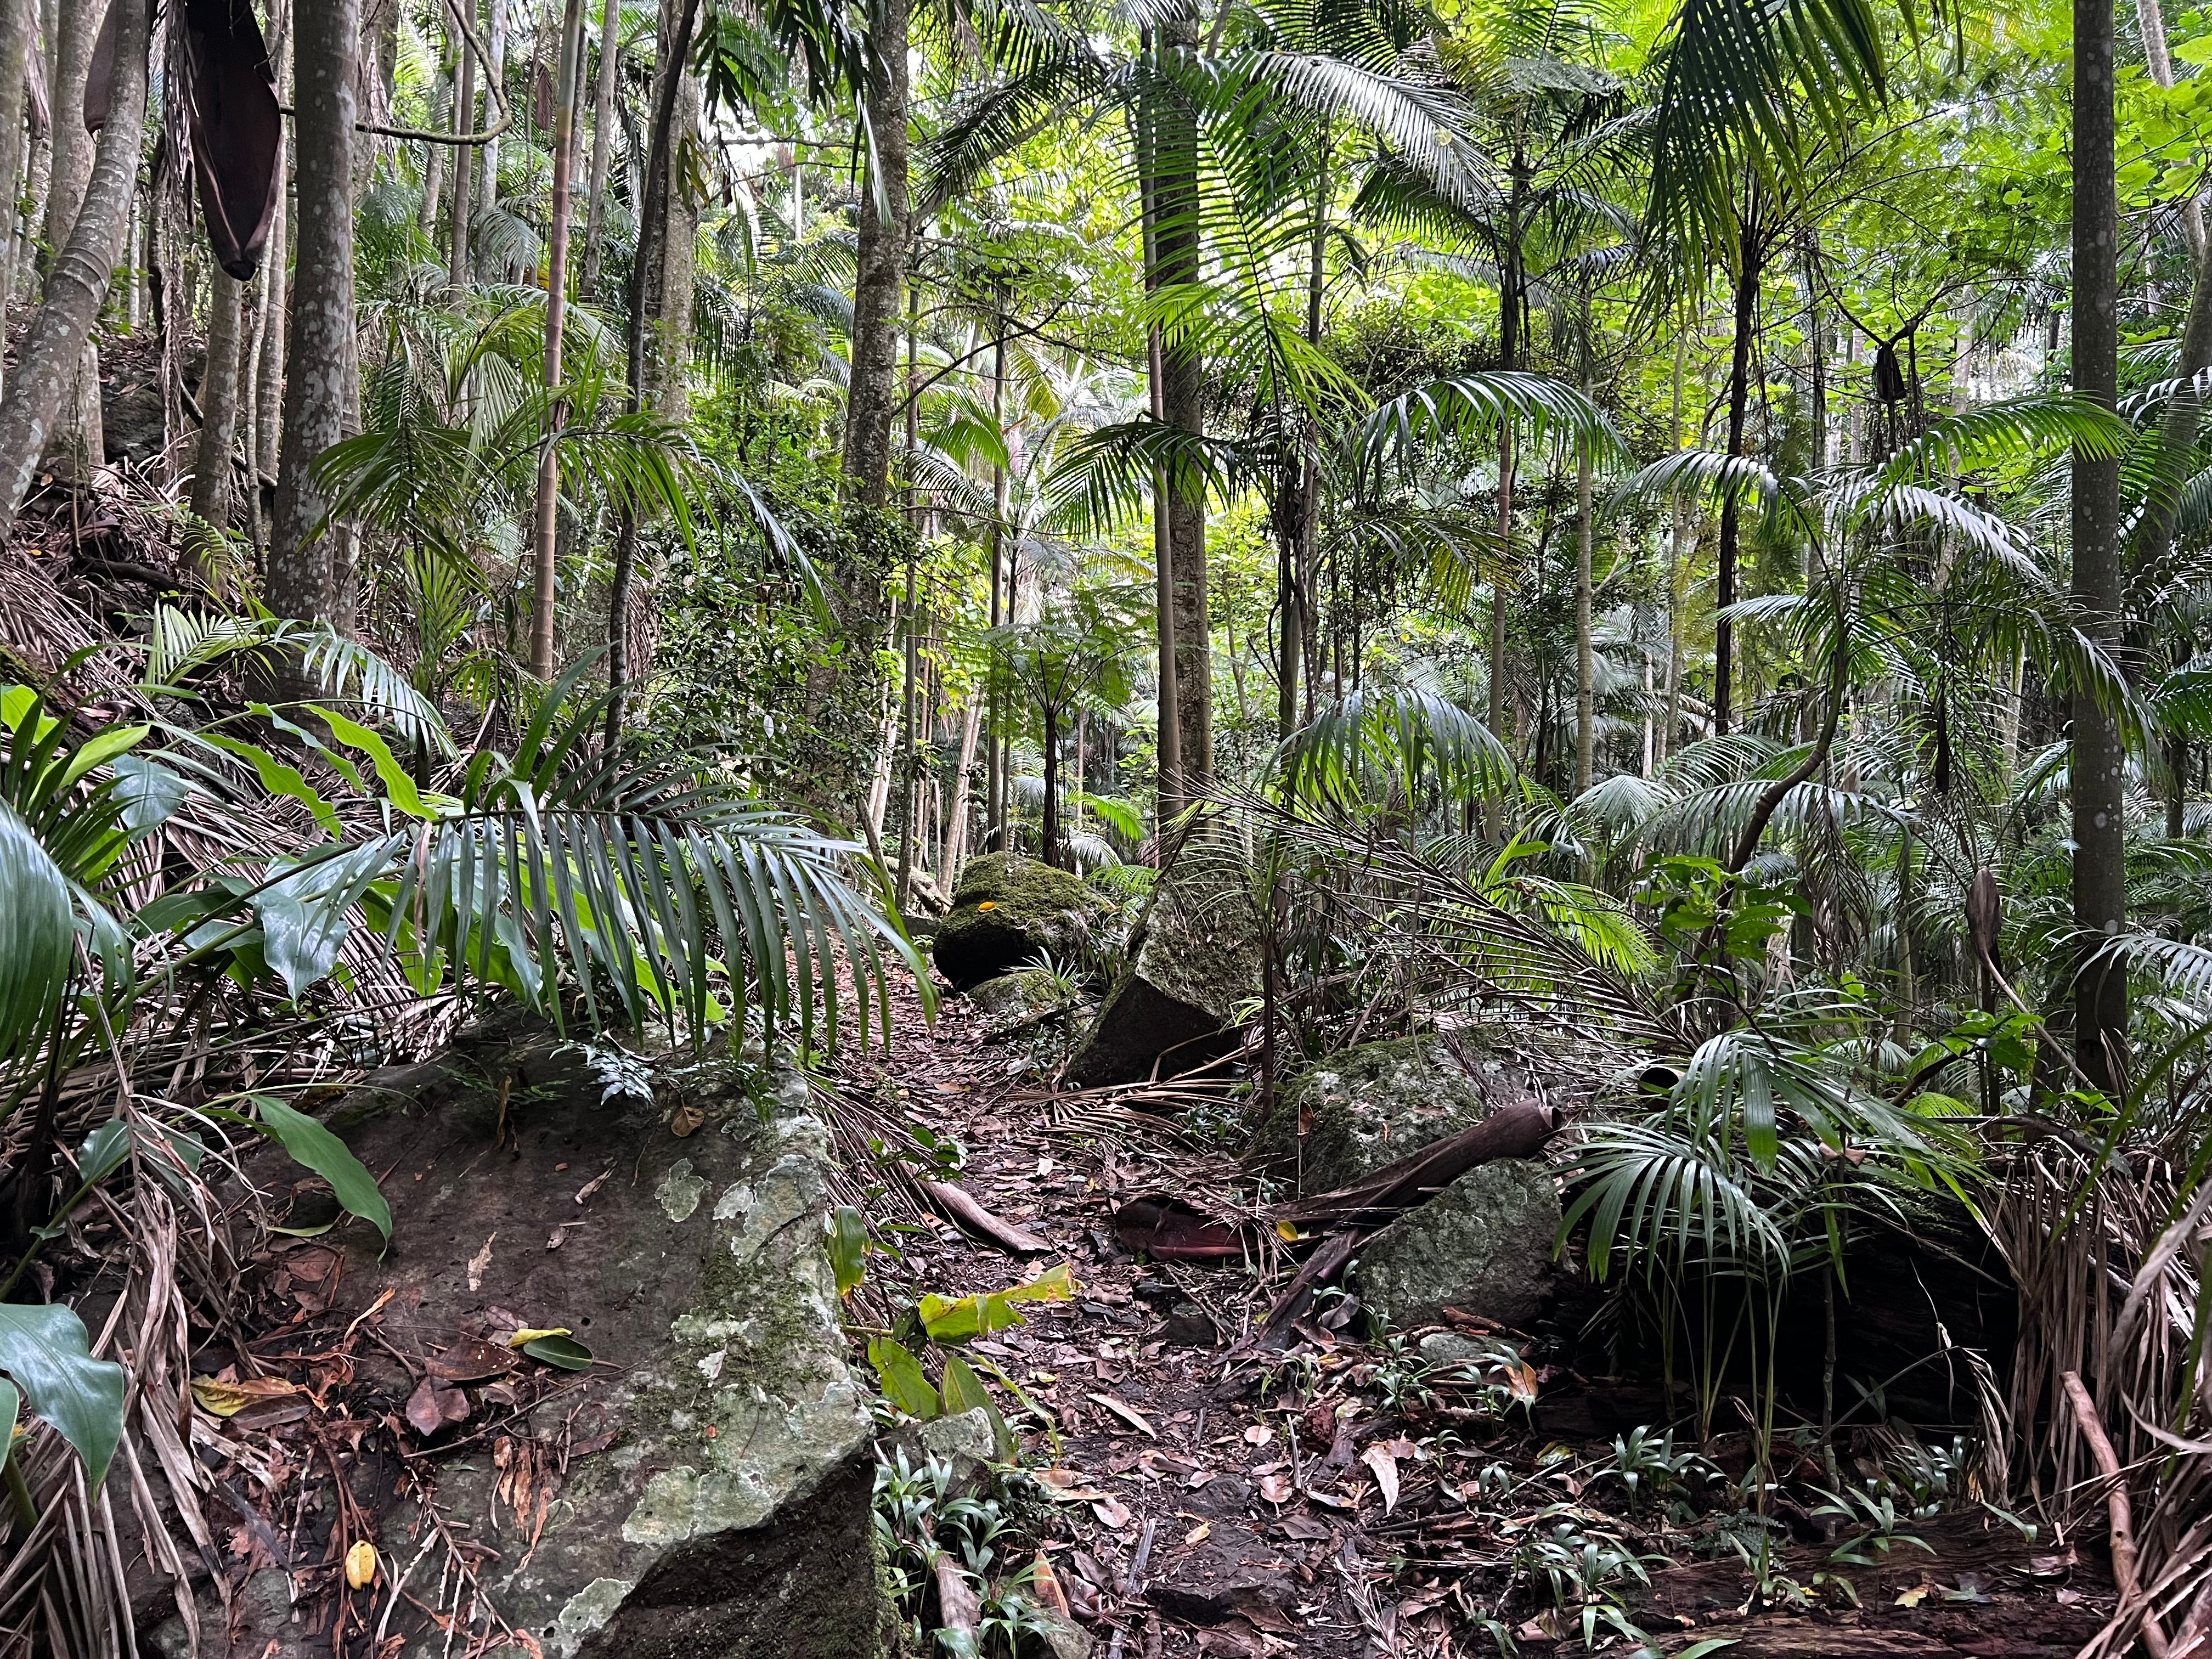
(76, 441)
(880, 278)
(602, 124)
(1167, 746)
(263, 441)
(1182, 406)
(77, 285)
(677, 19)
(1748, 254)
(212, 488)
(994, 797)
(495, 80)
(2100, 994)
(16, 18)
(956, 821)
(545, 583)
(303, 579)
(464, 155)
(1585, 653)
(1051, 713)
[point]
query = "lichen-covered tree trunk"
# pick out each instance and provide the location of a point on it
(302, 578)
(75, 442)
(77, 285)
(603, 125)
(880, 279)
(1182, 406)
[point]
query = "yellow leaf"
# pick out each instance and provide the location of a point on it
(522, 1338)
(228, 1399)
(361, 1564)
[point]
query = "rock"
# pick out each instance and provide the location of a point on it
(724, 1472)
(1015, 996)
(131, 423)
(1451, 1348)
(1371, 1105)
(1482, 1245)
(1062, 1636)
(1007, 911)
(1192, 960)
(1190, 1325)
(965, 1440)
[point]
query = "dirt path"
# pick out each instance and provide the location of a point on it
(1337, 1498)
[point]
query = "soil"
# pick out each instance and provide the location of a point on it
(1259, 1479)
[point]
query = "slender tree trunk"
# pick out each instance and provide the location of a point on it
(677, 19)
(994, 797)
(77, 285)
(1749, 253)
(602, 127)
(496, 78)
(1175, 240)
(1051, 715)
(909, 762)
(956, 820)
(880, 280)
(211, 487)
(17, 20)
(2100, 994)
(1168, 751)
(75, 445)
(263, 441)
(303, 580)
(544, 587)
(1585, 653)
(464, 155)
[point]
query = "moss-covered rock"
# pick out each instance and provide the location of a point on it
(1008, 910)
(1016, 995)
(1193, 958)
(1482, 1245)
(1370, 1105)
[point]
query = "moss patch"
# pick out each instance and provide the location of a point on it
(1371, 1105)
(1006, 910)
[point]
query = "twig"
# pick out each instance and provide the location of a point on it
(1129, 1579)
(2121, 1513)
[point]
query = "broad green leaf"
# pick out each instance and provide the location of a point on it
(399, 787)
(849, 1247)
(279, 778)
(103, 1151)
(956, 1320)
(37, 936)
(150, 793)
(315, 1147)
(560, 1349)
(964, 1392)
(904, 1384)
(44, 1347)
(11, 1402)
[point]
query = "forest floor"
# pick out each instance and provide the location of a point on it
(1338, 1497)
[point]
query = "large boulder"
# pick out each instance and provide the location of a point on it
(694, 1489)
(1007, 911)
(1193, 959)
(1483, 1245)
(1370, 1106)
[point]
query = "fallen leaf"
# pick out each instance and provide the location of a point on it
(228, 1399)
(1306, 1529)
(1112, 1513)
(430, 1407)
(1334, 1500)
(479, 1264)
(687, 1121)
(361, 1566)
(1198, 1535)
(1258, 1435)
(557, 1348)
(1066, 1486)
(1385, 1467)
(1045, 1584)
(469, 1360)
(1127, 1413)
(1275, 1488)
(1913, 1597)
(530, 1334)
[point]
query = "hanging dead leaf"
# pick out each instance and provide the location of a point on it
(1384, 1468)
(228, 1399)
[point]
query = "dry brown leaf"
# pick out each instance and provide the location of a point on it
(1112, 1513)
(687, 1121)
(1066, 1486)
(468, 1360)
(1125, 1411)
(1275, 1488)
(1258, 1435)
(1198, 1535)
(228, 1399)
(430, 1407)
(1385, 1469)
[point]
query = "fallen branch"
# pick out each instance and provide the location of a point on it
(2121, 1514)
(963, 1208)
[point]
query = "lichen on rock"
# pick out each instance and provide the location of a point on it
(1370, 1105)
(1483, 1246)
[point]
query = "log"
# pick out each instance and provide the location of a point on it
(962, 1207)
(1518, 1129)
